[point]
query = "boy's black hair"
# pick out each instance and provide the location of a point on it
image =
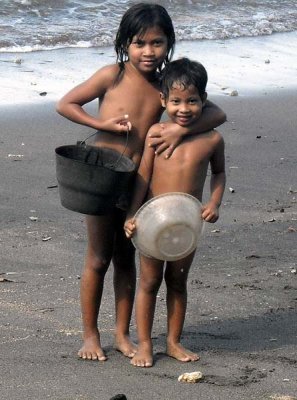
(136, 21)
(183, 72)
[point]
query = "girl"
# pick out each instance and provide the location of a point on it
(128, 94)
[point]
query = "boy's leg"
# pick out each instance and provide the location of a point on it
(100, 230)
(124, 281)
(151, 275)
(176, 276)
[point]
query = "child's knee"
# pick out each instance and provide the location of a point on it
(97, 263)
(150, 285)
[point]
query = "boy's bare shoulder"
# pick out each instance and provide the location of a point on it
(211, 140)
(214, 136)
(153, 129)
(217, 136)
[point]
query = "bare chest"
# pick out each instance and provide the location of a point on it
(191, 155)
(140, 100)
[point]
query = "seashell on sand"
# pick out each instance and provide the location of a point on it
(190, 377)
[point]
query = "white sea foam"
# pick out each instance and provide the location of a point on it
(38, 47)
(245, 65)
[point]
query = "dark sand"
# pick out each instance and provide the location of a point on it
(242, 287)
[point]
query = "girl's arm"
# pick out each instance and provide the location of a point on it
(141, 185)
(71, 105)
(169, 137)
(210, 210)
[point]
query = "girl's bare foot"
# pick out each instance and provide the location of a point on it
(125, 346)
(176, 350)
(91, 349)
(143, 356)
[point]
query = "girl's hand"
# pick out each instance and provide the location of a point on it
(129, 227)
(167, 139)
(210, 212)
(117, 124)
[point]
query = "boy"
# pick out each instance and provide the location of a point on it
(183, 95)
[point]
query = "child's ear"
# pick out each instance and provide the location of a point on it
(163, 101)
(204, 97)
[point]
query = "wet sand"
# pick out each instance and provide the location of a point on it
(241, 315)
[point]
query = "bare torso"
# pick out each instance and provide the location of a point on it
(186, 170)
(140, 99)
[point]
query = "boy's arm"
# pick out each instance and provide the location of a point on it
(71, 105)
(169, 137)
(141, 185)
(210, 211)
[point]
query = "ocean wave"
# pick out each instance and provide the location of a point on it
(33, 25)
(221, 34)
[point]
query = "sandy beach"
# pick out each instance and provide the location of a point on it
(248, 65)
(241, 315)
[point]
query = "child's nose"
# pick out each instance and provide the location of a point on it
(148, 50)
(184, 107)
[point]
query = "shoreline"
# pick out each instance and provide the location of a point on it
(247, 65)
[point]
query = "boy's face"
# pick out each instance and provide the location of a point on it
(148, 51)
(184, 105)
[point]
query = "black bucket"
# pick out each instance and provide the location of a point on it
(91, 179)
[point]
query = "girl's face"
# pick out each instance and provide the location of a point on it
(148, 51)
(184, 105)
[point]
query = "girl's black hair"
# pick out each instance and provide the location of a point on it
(183, 72)
(136, 21)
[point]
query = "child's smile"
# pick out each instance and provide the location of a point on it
(184, 105)
(148, 51)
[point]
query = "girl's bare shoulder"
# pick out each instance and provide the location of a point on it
(111, 69)
(107, 75)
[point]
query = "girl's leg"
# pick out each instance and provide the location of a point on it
(100, 231)
(151, 275)
(176, 276)
(124, 281)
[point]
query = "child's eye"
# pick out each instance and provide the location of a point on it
(138, 43)
(193, 101)
(158, 43)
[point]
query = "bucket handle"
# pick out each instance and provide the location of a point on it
(83, 143)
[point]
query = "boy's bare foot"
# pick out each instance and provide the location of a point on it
(143, 357)
(176, 350)
(125, 346)
(91, 349)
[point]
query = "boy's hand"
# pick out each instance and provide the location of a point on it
(210, 212)
(167, 139)
(129, 227)
(117, 124)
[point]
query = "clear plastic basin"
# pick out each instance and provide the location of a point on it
(168, 226)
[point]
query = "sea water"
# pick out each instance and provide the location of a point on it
(28, 25)
(49, 46)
